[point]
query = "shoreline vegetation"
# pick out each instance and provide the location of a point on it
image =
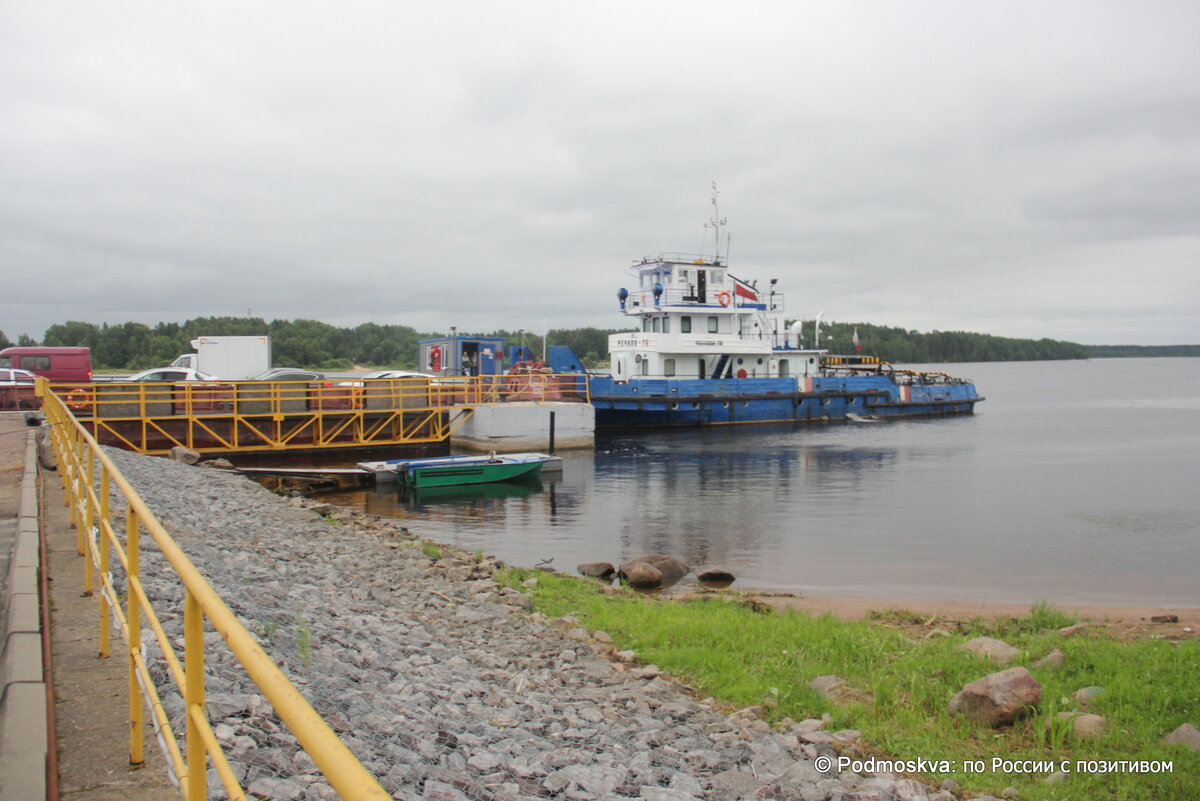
(317, 345)
(896, 671)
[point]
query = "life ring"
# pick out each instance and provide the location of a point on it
(724, 298)
(79, 398)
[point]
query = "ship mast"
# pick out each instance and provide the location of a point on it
(715, 223)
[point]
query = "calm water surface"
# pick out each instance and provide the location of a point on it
(1075, 482)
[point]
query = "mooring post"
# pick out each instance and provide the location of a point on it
(551, 433)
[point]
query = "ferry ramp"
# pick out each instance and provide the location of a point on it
(275, 416)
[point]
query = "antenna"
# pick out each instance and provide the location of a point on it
(715, 223)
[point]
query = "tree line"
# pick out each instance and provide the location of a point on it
(902, 346)
(321, 346)
(1130, 351)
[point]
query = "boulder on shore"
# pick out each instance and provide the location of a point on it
(1051, 661)
(671, 569)
(716, 576)
(833, 689)
(642, 576)
(185, 455)
(600, 570)
(1186, 735)
(996, 650)
(998, 698)
(1085, 725)
(216, 464)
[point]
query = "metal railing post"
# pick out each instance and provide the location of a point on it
(133, 618)
(104, 545)
(196, 784)
(82, 517)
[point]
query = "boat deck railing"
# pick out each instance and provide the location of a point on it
(687, 297)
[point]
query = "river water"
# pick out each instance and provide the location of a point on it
(1075, 482)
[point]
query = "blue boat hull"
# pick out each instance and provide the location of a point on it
(666, 403)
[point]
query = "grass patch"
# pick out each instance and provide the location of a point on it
(903, 682)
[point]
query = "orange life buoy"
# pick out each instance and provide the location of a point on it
(79, 398)
(724, 298)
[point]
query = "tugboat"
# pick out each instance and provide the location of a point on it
(713, 349)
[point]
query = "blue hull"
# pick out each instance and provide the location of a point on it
(654, 403)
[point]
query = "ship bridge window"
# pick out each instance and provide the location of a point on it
(685, 324)
(783, 367)
(717, 276)
(685, 276)
(646, 324)
(668, 367)
(666, 324)
(712, 324)
(655, 325)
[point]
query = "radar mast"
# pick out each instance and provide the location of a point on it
(716, 223)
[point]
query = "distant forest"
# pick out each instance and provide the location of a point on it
(317, 345)
(1125, 351)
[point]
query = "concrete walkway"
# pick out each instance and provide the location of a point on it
(24, 749)
(90, 694)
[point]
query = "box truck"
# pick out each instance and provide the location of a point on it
(228, 358)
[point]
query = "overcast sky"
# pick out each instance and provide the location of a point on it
(1023, 169)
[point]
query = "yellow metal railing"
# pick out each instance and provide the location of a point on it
(153, 417)
(87, 478)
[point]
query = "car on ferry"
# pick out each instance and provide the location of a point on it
(395, 374)
(288, 374)
(16, 389)
(171, 374)
(10, 377)
(322, 393)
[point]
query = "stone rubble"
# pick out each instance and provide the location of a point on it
(437, 678)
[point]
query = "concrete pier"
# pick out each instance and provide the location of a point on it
(509, 427)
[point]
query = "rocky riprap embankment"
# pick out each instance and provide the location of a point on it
(443, 683)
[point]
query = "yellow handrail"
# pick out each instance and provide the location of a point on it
(79, 457)
(217, 417)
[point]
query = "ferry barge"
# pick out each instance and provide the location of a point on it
(712, 349)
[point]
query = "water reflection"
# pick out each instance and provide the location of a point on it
(1043, 495)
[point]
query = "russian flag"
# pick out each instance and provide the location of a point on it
(743, 291)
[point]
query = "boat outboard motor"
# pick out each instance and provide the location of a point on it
(622, 296)
(658, 290)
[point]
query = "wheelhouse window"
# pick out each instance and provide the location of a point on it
(685, 324)
(712, 324)
(668, 367)
(666, 324)
(655, 325)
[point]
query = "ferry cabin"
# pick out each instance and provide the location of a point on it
(696, 321)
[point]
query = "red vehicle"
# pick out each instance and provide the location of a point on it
(67, 365)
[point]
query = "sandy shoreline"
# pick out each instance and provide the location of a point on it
(1128, 620)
